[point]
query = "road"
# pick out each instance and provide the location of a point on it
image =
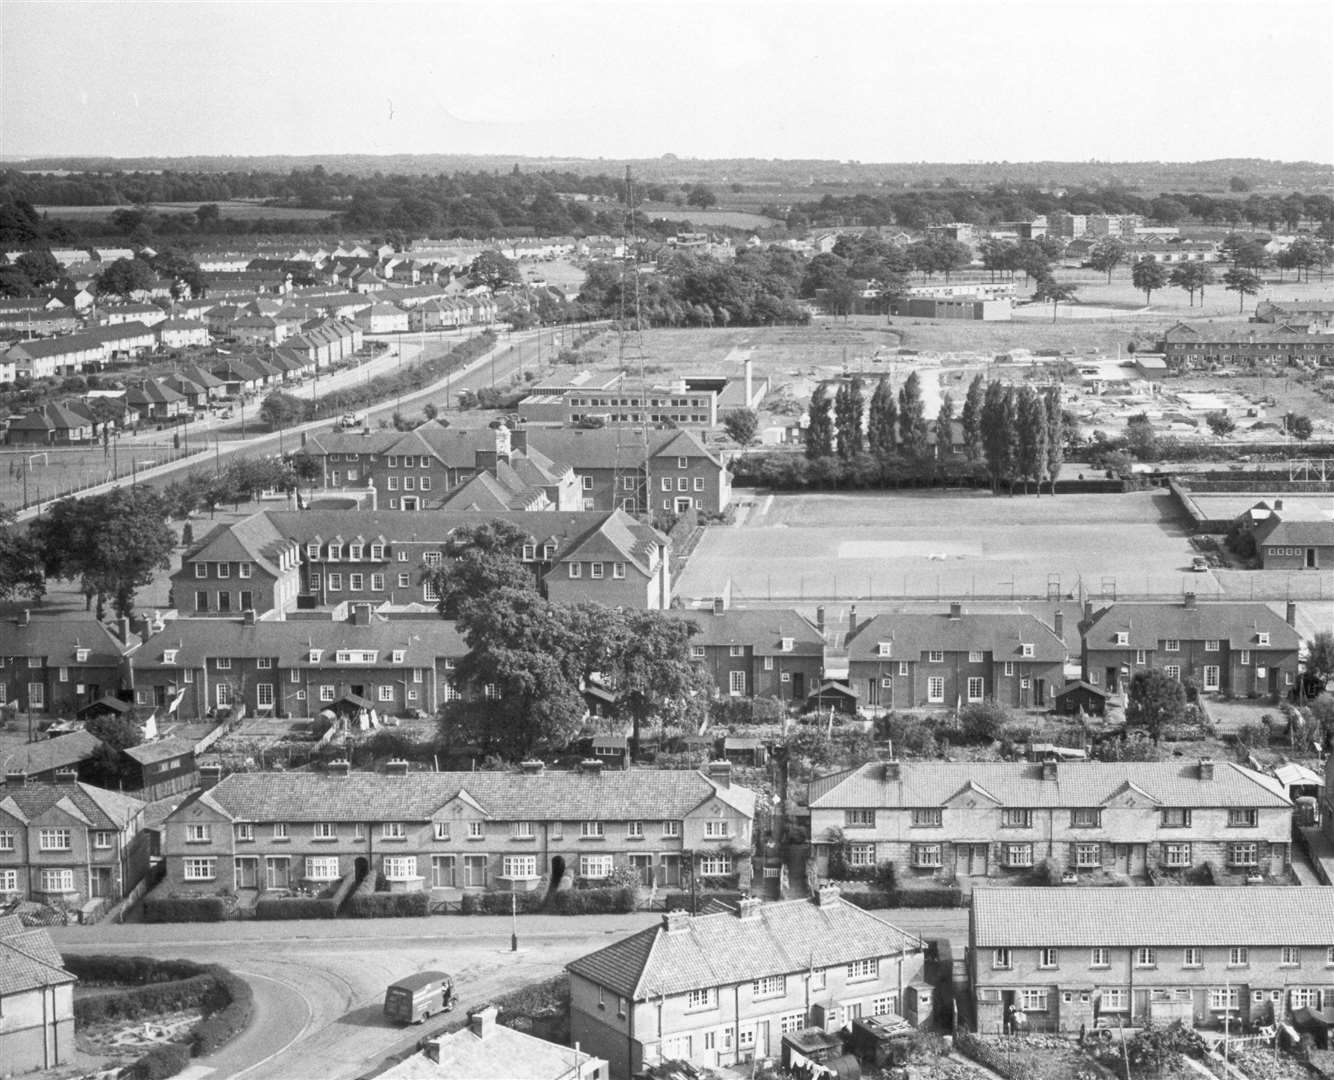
(319, 986)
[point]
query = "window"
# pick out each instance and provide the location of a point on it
(859, 819)
(594, 866)
(634, 830)
(717, 829)
(618, 570)
(201, 570)
(518, 866)
(400, 867)
(377, 552)
(736, 683)
(198, 834)
(1114, 999)
(1245, 657)
(1098, 958)
(1009, 667)
(1139, 656)
(1085, 817)
(377, 583)
(903, 667)
(861, 854)
(1305, 997)
(1174, 818)
(864, 969)
(280, 830)
(700, 999)
(264, 695)
(103, 840)
(1222, 998)
(769, 986)
(1211, 645)
(335, 582)
(926, 817)
(1026, 650)
(1176, 855)
(1211, 677)
(1238, 956)
(316, 581)
(1016, 819)
(1000, 959)
(243, 569)
(595, 570)
(935, 689)
(974, 688)
(935, 656)
(1290, 956)
(1048, 958)
(1191, 957)
(1146, 957)
(322, 868)
(1018, 854)
(591, 830)
(326, 693)
(224, 570)
(9, 881)
(477, 830)
(671, 828)
(576, 570)
(393, 483)
(441, 830)
(244, 832)
(404, 581)
(1034, 1000)
(1123, 637)
(195, 869)
(1242, 818)
(975, 656)
(356, 582)
(1172, 671)
(393, 830)
(926, 855)
(1088, 855)
(715, 865)
(6, 839)
(790, 1022)
(54, 839)
(1262, 638)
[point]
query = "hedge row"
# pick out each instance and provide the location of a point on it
(235, 1002)
(680, 901)
(498, 903)
(97, 969)
(152, 999)
(164, 1060)
(295, 907)
(384, 905)
(161, 906)
(942, 896)
(595, 901)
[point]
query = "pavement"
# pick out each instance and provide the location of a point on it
(1322, 853)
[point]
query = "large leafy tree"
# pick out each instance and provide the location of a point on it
(124, 278)
(1155, 701)
(494, 270)
(1319, 667)
(1242, 282)
(478, 562)
(912, 419)
(40, 266)
(280, 410)
(741, 425)
(1192, 277)
(881, 420)
(820, 427)
(971, 418)
(1055, 291)
(20, 562)
(849, 409)
(1148, 275)
(1107, 254)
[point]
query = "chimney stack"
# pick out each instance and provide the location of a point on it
(819, 618)
(361, 615)
(66, 776)
(1290, 615)
(396, 767)
(746, 366)
(482, 1022)
(891, 770)
(748, 908)
(340, 767)
(956, 611)
(1189, 601)
(532, 767)
(123, 625)
(209, 775)
(1058, 624)
(25, 617)
(248, 617)
(852, 619)
(826, 895)
(719, 605)
(16, 779)
(1049, 770)
(720, 772)
(1088, 610)
(370, 490)
(503, 447)
(1278, 504)
(1206, 768)
(673, 922)
(591, 767)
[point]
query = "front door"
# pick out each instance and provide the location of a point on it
(798, 686)
(442, 871)
(1312, 562)
(474, 871)
(971, 859)
(276, 872)
(409, 502)
(99, 883)
(247, 873)
(669, 870)
(1039, 691)
(762, 1047)
(1113, 680)
(643, 866)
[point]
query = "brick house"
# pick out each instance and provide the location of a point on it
(1294, 545)
(985, 820)
(36, 1000)
(1241, 648)
(247, 565)
(760, 653)
(1188, 347)
(722, 989)
(474, 831)
(297, 668)
(69, 842)
(1071, 958)
(58, 665)
(908, 659)
(619, 562)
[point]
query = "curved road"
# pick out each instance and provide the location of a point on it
(319, 986)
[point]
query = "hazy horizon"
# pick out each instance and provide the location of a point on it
(949, 81)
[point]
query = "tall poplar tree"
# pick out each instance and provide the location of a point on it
(1055, 434)
(820, 428)
(881, 421)
(971, 418)
(912, 419)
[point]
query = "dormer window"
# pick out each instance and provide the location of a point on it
(335, 551)
(169, 656)
(1025, 650)
(1123, 637)
(788, 644)
(354, 551)
(398, 656)
(529, 552)
(377, 551)
(548, 551)
(81, 655)
(885, 648)
(313, 550)
(314, 655)
(1262, 639)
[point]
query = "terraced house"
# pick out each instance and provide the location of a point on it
(1244, 649)
(757, 653)
(57, 665)
(282, 668)
(723, 988)
(68, 843)
(1071, 958)
(907, 659)
(986, 820)
(472, 831)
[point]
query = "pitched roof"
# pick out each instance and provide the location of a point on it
(150, 753)
(717, 950)
(763, 630)
(59, 640)
(51, 754)
(252, 539)
(29, 959)
(1277, 532)
(97, 807)
(1148, 623)
(912, 633)
(1217, 915)
(1021, 784)
(651, 794)
(503, 1054)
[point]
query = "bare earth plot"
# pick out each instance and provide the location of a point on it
(950, 545)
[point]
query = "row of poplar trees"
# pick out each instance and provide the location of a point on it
(1018, 434)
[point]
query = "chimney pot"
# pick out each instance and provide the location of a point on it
(1290, 615)
(675, 921)
(1206, 768)
(482, 1022)
(1058, 624)
(749, 907)
(25, 617)
(340, 767)
(66, 776)
(591, 766)
(396, 767)
(1049, 770)
(209, 775)
(1189, 600)
(826, 895)
(956, 611)
(532, 767)
(819, 617)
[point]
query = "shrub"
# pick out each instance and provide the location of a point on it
(96, 969)
(295, 907)
(161, 906)
(1043, 874)
(171, 996)
(595, 902)
(680, 901)
(164, 1060)
(982, 722)
(234, 1002)
(385, 905)
(940, 896)
(498, 903)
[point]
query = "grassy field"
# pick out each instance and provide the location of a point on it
(236, 208)
(52, 473)
(730, 219)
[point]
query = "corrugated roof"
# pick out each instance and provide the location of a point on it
(1213, 915)
(1020, 784)
(717, 950)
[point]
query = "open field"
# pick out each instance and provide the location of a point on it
(50, 472)
(963, 544)
(235, 208)
(720, 219)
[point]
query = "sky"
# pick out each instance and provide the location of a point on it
(865, 80)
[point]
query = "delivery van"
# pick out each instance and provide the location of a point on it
(412, 1000)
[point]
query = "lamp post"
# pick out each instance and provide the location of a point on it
(514, 921)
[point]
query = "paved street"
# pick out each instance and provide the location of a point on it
(319, 986)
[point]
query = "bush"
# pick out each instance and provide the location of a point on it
(166, 1059)
(295, 907)
(234, 1004)
(982, 722)
(385, 905)
(498, 903)
(161, 906)
(96, 969)
(595, 902)
(149, 999)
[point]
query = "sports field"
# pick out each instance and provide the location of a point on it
(42, 474)
(955, 544)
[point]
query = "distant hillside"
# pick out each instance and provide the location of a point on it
(1146, 176)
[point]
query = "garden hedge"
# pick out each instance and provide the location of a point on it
(595, 901)
(161, 906)
(384, 905)
(943, 896)
(162, 1061)
(498, 903)
(95, 969)
(295, 907)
